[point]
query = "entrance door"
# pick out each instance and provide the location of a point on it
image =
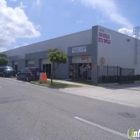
(44, 67)
(82, 71)
(47, 69)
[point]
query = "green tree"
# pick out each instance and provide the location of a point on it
(2, 55)
(56, 57)
(3, 60)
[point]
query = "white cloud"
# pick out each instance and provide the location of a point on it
(16, 46)
(13, 0)
(79, 21)
(35, 6)
(126, 31)
(2, 49)
(14, 24)
(22, 6)
(38, 2)
(24, 44)
(109, 9)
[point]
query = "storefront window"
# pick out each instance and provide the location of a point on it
(80, 71)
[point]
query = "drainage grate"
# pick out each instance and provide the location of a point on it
(127, 115)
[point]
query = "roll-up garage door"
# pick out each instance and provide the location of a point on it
(31, 63)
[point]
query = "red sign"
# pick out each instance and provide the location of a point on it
(85, 58)
(104, 38)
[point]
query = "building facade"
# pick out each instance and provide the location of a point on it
(85, 50)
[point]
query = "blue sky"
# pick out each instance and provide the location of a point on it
(25, 22)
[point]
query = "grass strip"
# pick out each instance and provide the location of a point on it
(55, 84)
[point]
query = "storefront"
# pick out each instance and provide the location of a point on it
(80, 68)
(46, 66)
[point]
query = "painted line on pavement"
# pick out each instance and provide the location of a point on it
(104, 128)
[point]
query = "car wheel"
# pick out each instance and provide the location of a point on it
(27, 79)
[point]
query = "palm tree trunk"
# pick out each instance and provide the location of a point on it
(52, 74)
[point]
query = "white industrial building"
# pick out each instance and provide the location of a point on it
(85, 50)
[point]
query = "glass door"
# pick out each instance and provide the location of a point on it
(48, 70)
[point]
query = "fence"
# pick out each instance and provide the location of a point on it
(115, 74)
(126, 75)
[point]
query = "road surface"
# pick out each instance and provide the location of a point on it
(30, 112)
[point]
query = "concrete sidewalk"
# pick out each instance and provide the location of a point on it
(128, 94)
(72, 83)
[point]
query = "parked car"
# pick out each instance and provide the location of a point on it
(7, 71)
(29, 74)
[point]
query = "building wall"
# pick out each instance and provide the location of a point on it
(38, 51)
(121, 51)
(76, 39)
(91, 51)
(62, 72)
(21, 64)
(94, 73)
(37, 55)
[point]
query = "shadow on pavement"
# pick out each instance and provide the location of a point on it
(128, 86)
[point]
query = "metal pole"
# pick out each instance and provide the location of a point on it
(98, 74)
(101, 74)
(107, 73)
(120, 82)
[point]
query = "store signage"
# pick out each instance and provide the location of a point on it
(85, 58)
(79, 49)
(104, 38)
(81, 59)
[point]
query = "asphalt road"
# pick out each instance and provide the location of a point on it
(29, 112)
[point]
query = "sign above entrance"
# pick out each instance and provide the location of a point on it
(81, 59)
(84, 58)
(79, 49)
